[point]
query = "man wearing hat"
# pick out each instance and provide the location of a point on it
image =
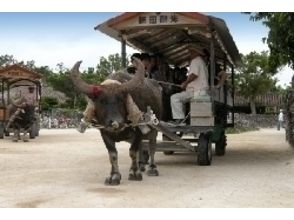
(195, 84)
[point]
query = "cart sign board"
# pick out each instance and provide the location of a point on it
(17, 71)
(156, 19)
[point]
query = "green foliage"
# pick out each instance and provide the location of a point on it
(280, 39)
(255, 76)
(48, 103)
(110, 65)
(60, 80)
(6, 60)
(45, 71)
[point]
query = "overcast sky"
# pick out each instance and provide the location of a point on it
(51, 38)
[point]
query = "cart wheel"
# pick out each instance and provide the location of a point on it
(220, 145)
(33, 131)
(1, 131)
(168, 152)
(204, 151)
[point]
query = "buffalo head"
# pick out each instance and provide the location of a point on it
(109, 98)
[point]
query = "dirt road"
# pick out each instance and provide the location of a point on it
(63, 168)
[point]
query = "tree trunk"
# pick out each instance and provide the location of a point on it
(74, 102)
(252, 106)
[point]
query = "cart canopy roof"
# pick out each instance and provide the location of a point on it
(18, 72)
(170, 34)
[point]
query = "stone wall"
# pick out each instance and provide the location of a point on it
(255, 121)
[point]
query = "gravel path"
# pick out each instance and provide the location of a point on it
(63, 168)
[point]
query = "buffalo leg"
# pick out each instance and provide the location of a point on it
(15, 135)
(152, 169)
(143, 158)
(115, 176)
(25, 137)
(135, 172)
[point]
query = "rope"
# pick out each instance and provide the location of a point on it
(146, 120)
(168, 83)
(125, 125)
(177, 85)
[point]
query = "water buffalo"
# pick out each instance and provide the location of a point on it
(22, 120)
(110, 103)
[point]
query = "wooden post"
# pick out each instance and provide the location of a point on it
(123, 53)
(212, 62)
(2, 91)
(233, 94)
(225, 90)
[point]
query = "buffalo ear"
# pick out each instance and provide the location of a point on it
(94, 92)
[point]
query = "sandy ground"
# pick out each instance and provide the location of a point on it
(63, 168)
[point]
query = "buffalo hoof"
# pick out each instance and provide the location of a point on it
(113, 180)
(152, 172)
(142, 168)
(135, 177)
(25, 138)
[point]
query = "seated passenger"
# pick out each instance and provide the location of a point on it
(154, 69)
(220, 76)
(195, 84)
(146, 60)
(132, 69)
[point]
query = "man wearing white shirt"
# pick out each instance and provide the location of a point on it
(280, 119)
(196, 84)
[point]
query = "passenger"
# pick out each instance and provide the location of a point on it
(170, 74)
(183, 75)
(154, 69)
(177, 73)
(132, 69)
(220, 73)
(195, 84)
(220, 77)
(146, 60)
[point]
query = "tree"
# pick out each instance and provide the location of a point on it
(60, 67)
(254, 77)
(7, 60)
(48, 103)
(60, 80)
(280, 39)
(45, 71)
(110, 65)
(30, 64)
